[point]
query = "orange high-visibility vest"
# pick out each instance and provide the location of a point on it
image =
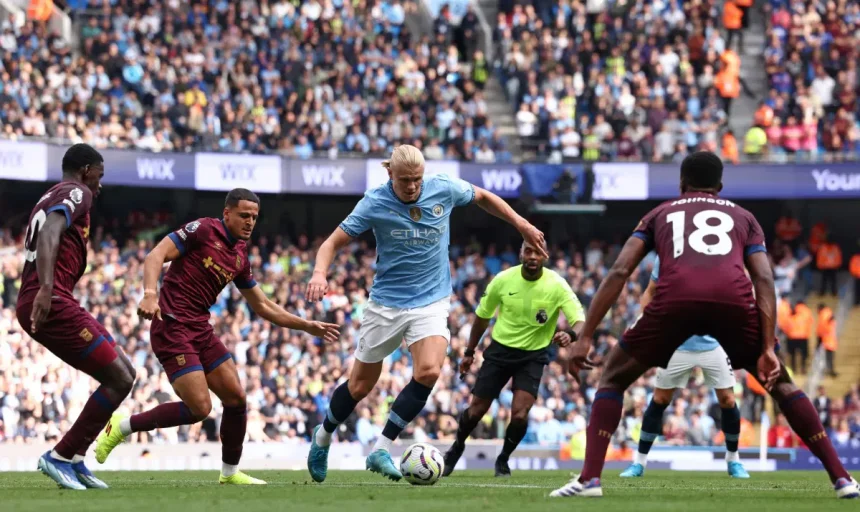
(829, 338)
(744, 3)
(732, 15)
(783, 315)
(824, 317)
(816, 236)
(829, 256)
(40, 10)
(800, 325)
(854, 266)
(788, 228)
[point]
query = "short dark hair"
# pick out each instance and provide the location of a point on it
(702, 170)
(79, 156)
(240, 194)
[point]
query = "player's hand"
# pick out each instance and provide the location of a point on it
(41, 308)
(329, 332)
(534, 237)
(562, 339)
(466, 365)
(768, 369)
(148, 307)
(317, 287)
(580, 357)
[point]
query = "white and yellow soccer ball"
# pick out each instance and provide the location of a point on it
(422, 464)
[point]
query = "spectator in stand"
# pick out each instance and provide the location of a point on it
(779, 435)
(854, 269)
(828, 260)
(827, 335)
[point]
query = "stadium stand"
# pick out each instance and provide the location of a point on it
(296, 78)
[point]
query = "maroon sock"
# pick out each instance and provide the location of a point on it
(605, 416)
(804, 420)
(96, 413)
(171, 414)
(233, 424)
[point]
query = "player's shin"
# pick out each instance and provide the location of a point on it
(804, 420)
(513, 435)
(170, 414)
(341, 406)
(652, 427)
(233, 426)
(406, 407)
(97, 411)
(731, 424)
(466, 425)
(605, 416)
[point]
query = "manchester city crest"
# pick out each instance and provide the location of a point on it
(541, 316)
(438, 210)
(415, 213)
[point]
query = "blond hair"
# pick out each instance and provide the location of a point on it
(404, 157)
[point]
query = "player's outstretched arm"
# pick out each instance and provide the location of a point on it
(165, 251)
(497, 207)
(318, 285)
(280, 317)
(47, 247)
(761, 275)
(631, 255)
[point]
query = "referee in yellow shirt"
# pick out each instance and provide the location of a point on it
(529, 298)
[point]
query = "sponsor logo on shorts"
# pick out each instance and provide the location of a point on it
(438, 210)
(77, 195)
(86, 334)
(70, 204)
(541, 316)
(415, 213)
(180, 360)
(361, 345)
(191, 227)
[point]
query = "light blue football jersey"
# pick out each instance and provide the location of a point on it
(412, 240)
(695, 343)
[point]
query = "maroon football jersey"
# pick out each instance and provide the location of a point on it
(211, 259)
(74, 201)
(702, 241)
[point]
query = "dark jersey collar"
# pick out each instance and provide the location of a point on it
(230, 239)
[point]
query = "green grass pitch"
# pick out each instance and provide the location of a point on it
(473, 491)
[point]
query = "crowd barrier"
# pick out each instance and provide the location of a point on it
(36, 161)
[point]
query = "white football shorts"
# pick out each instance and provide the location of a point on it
(715, 365)
(383, 328)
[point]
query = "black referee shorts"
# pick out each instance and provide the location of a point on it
(502, 363)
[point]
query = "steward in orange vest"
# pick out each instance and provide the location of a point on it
(827, 335)
(854, 268)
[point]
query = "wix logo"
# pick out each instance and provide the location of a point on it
(158, 169)
(237, 172)
(323, 176)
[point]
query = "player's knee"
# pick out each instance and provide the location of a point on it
(520, 415)
(426, 375)
(663, 397)
(237, 400)
(726, 398)
(358, 389)
(122, 381)
(200, 408)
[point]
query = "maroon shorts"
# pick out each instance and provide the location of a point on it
(72, 334)
(663, 327)
(184, 347)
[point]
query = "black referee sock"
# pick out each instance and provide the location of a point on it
(405, 408)
(341, 406)
(466, 425)
(513, 435)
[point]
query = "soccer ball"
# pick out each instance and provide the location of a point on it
(422, 464)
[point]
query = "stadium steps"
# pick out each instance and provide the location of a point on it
(499, 109)
(752, 72)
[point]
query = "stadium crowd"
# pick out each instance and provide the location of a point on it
(288, 376)
(291, 77)
(811, 62)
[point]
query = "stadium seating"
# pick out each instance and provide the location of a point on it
(811, 61)
(293, 77)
